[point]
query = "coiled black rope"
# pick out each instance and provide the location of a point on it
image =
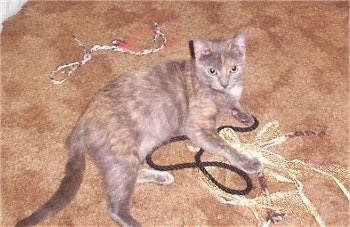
(201, 165)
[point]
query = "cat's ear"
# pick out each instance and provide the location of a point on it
(200, 48)
(237, 43)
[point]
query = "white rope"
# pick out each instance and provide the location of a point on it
(68, 69)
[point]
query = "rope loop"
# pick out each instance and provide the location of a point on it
(201, 165)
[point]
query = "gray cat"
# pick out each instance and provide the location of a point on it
(142, 109)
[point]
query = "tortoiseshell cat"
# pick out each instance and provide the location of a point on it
(142, 109)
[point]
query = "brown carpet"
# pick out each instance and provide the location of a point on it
(298, 68)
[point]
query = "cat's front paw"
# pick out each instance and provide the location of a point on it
(244, 118)
(253, 166)
(248, 120)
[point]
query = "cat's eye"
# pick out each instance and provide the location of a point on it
(212, 72)
(234, 69)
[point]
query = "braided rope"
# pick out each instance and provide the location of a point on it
(68, 69)
(201, 165)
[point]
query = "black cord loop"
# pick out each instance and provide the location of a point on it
(201, 165)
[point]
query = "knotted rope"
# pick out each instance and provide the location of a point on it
(117, 46)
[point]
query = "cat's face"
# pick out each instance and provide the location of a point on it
(220, 63)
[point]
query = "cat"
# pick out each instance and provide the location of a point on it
(141, 110)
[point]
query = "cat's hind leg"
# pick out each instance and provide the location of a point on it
(120, 184)
(154, 176)
(120, 175)
(146, 146)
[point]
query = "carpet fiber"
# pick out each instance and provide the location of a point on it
(297, 73)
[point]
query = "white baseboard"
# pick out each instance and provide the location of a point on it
(10, 8)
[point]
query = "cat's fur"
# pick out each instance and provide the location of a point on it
(142, 109)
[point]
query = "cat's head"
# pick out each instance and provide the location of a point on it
(219, 63)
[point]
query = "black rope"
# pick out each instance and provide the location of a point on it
(201, 165)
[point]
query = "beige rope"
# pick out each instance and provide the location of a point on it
(293, 202)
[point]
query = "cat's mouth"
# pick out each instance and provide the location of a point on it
(228, 88)
(223, 89)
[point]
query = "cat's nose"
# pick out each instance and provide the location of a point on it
(224, 85)
(224, 82)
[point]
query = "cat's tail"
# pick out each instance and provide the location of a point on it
(68, 188)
